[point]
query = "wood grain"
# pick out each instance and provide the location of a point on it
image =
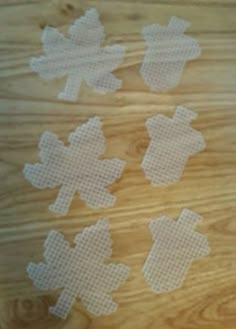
(28, 106)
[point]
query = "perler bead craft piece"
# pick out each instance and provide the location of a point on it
(80, 56)
(173, 141)
(76, 168)
(80, 271)
(168, 49)
(175, 247)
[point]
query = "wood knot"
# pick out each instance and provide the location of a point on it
(70, 7)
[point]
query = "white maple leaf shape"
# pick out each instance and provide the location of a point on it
(80, 57)
(80, 271)
(76, 168)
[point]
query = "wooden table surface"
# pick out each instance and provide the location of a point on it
(29, 105)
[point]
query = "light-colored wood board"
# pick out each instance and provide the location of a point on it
(29, 105)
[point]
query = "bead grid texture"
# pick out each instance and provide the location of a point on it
(167, 51)
(80, 57)
(76, 168)
(172, 142)
(175, 247)
(80, 271)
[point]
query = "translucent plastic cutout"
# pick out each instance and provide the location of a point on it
(167, 52)
(172, 142)
(76, 167)
(80, 271)
(176, 245)
(79, 57)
